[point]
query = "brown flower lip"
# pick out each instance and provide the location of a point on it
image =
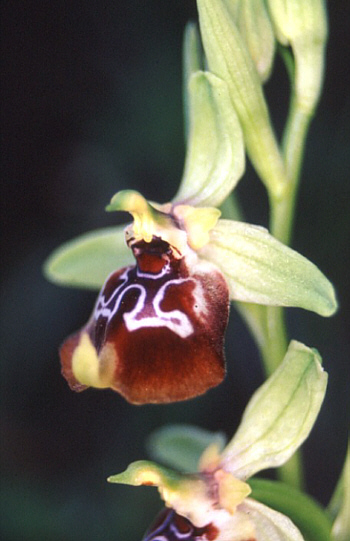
(156, 334)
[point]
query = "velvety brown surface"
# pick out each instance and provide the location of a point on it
(155, 363)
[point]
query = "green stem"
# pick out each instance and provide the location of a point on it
(267, 323)
(275, 344)
(282, 208)
(292, 472)
(281, 226)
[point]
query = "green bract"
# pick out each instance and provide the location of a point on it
(229, 59)
(260, 269)
(280, 414)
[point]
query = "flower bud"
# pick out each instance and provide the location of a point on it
(254, 24)
(303, 25)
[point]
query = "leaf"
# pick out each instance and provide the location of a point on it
(215, 153)
(280, 415)
(181, 446)
(86, 261)
(262, 270)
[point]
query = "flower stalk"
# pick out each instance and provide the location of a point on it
(156, 333)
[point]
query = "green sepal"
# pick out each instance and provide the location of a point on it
(260, 269)
(280, 414)
(89, 259)
(311, 519)
(181, 446)
(215, 152)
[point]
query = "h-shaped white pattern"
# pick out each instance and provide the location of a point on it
(175, 320)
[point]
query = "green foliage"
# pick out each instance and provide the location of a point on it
(181, 446)
(260, 269)
(86, 261)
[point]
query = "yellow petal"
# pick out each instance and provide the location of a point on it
(90, 369)
(232, 491)
(197, 222)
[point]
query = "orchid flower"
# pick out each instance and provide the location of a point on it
(214, 503)
(156, 333)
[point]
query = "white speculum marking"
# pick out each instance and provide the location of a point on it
(175, 320)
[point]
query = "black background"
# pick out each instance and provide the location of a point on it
(91, 104)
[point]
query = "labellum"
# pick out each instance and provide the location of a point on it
(156, 333)
(169, 526)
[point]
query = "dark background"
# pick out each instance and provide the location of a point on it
(91, 104)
